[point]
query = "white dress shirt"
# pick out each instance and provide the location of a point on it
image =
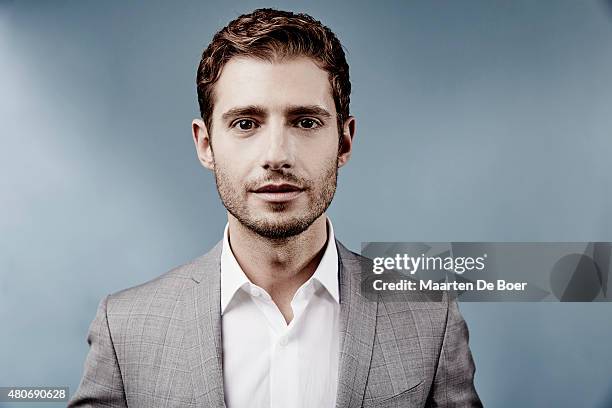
(268, 363)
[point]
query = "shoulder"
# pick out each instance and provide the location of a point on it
(170, 284)
(166, 288)
(361, 268)
(353, 262)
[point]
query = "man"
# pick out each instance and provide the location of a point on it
(273, 315)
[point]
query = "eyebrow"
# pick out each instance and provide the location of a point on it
(310, 110)
(253, 110)
(250, 110)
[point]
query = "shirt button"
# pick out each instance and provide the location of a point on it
(283, 341)
(255, 292)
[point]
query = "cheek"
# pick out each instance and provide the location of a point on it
(228, 169)
(321, 169)
(324, 152)
(229, 159)
(321, 150)
(233, 155)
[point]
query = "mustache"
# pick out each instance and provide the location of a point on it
(285, 178)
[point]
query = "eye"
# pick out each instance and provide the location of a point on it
(308, 123)
(244, 124)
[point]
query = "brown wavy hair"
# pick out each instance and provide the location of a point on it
(272, 35)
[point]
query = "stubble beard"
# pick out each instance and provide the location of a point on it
(276, 224)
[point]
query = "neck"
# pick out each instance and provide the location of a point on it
(278, 266)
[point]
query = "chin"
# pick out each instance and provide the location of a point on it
(279, 227)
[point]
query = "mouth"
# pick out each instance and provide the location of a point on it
(278, 193)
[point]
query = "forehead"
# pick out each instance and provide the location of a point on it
(273, 85)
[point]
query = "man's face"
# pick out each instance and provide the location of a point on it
(275, 144)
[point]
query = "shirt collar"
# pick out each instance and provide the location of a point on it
(234, 278)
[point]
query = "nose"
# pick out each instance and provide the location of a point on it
(277, 150)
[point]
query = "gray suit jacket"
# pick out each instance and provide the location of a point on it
(159, 345)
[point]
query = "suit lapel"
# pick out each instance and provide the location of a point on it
(203, 330)
(357, 330)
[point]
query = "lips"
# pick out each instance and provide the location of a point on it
(278, 193)
(277, 188)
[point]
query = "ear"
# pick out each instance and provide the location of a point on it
(203, 146)
(346, 141)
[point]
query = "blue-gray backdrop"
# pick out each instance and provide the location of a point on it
(477, 121)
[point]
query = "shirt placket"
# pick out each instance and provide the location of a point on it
(284, 356)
